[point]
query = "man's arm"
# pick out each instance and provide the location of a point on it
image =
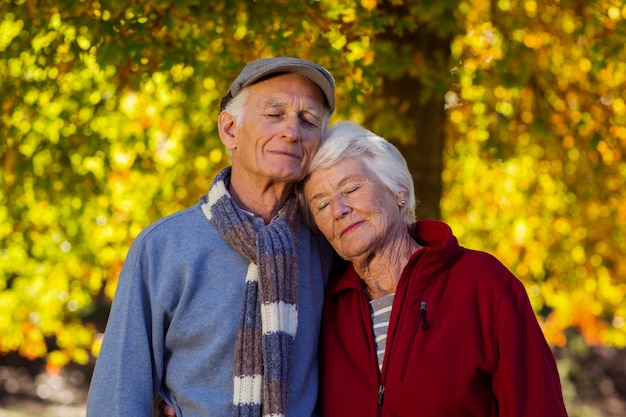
(128, 369)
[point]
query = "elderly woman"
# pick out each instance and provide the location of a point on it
(416, 325)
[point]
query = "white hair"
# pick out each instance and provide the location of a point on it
(348, 139)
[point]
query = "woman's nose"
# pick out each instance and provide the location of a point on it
(340, 208)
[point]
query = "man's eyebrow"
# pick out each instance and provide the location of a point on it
(275, 103)
(271, 102)
(313, 112)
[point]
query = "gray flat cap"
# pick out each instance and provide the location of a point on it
(260, 68)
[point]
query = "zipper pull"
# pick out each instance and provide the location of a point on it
(423, 314)
(381, 392)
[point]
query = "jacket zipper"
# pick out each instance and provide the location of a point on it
(381, 393)
(423, 325)
(381, 385)
(381, 388)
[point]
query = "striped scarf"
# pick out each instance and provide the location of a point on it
(269, 315)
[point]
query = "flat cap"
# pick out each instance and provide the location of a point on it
(260, 68)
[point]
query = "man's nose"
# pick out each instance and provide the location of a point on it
(291, 128)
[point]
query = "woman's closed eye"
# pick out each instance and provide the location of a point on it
(321, 205)
(351, 188)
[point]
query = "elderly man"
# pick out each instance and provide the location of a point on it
(218, 306)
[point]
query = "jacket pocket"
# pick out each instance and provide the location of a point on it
(422, 324)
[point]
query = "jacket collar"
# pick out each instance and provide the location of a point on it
(440, 249)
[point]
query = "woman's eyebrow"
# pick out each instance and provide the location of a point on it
(316, 196)
(359, 178)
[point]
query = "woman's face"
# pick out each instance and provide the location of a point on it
(352, 208)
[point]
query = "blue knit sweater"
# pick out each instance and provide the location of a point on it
(174, 319)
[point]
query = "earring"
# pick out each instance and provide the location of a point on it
(402, 202)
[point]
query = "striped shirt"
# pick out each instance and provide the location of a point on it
(380, 309)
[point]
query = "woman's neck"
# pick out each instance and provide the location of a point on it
(381, 270)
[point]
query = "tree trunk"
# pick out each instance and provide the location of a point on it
(423, 117)
(424, 154)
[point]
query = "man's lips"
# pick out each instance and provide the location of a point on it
(289, 154)
(351, 227)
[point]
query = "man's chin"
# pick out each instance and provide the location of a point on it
(292, 175)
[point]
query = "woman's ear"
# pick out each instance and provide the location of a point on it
(402, 198)
(226, 128)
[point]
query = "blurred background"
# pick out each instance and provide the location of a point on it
(511, 114)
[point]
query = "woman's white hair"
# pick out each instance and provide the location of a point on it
(348, 139)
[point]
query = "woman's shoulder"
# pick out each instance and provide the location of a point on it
(484, 269)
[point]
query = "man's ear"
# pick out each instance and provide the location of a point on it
(226, 129)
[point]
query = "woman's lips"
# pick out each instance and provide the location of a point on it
(350, 228)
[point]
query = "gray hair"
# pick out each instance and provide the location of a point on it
(237, 107)
(348, 139)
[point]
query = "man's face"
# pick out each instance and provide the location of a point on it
(280, 130)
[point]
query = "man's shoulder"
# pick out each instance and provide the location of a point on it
(315, 240)
(185, 225)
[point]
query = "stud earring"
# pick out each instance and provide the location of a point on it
(402, 202)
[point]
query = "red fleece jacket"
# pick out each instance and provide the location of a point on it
(463, 340)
